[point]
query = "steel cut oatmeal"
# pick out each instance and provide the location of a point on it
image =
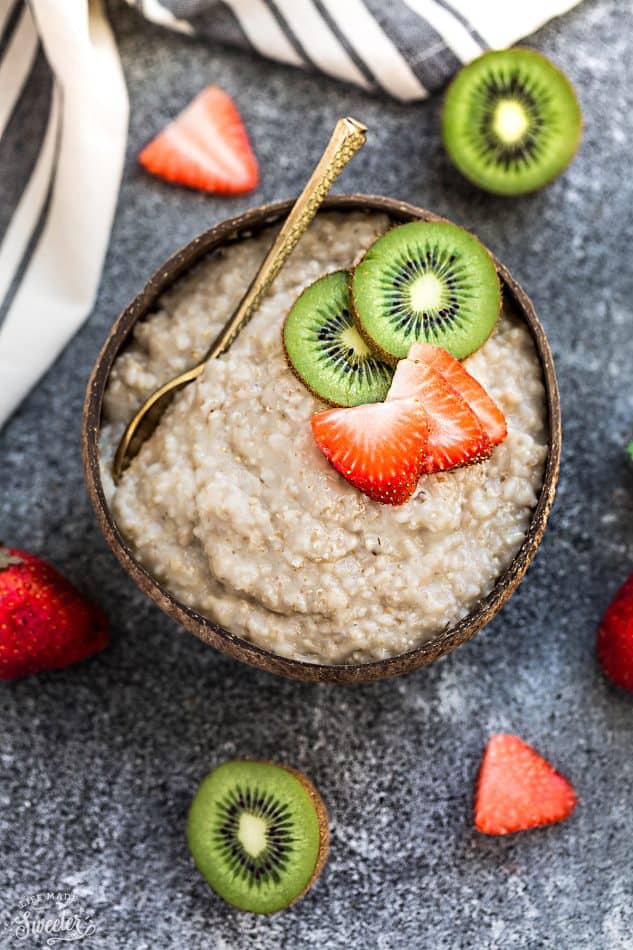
(231, 505)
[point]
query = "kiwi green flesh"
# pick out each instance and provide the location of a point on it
(255, 835)
(427, 281)
(325, 349)
(511, 121)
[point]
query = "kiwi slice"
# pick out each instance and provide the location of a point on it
(258, 833)
(427, 281)
(325, 349)
(511, 121)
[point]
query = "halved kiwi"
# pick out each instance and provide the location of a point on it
(427, 281)
(258, 833)
(325, 349)
(511, 121)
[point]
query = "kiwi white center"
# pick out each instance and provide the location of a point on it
(510, 121)
(426, 293)
(351, 338)
(251, 834)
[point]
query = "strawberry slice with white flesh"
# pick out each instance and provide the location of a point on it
(456, 436)
(457, 376)
(205, 147)
(380, 448)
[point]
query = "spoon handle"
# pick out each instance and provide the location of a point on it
(348, 137)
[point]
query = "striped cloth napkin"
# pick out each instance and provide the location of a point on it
(64, 110)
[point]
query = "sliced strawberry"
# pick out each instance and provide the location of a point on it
(457, 376)
(518, 789)
(456, 436)
(379, 448)
(205, 147)
(615, 638)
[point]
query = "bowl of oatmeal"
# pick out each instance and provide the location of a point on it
(233, 522)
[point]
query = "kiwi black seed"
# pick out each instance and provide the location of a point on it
(511, 121)
(325, 349)
(258, 833)
(427, 281)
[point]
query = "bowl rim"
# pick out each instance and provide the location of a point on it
(239, 228)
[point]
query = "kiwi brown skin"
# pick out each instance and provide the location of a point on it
(324, 825)
(389, 358)
(576, 143)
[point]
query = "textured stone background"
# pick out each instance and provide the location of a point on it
(98, 763)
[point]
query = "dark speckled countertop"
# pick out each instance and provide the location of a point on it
(98, 763)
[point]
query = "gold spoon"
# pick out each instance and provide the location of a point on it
(348, 137)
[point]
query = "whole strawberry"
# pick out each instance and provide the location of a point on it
(615, 637)
(45, 623)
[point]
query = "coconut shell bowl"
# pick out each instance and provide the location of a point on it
(241, 228)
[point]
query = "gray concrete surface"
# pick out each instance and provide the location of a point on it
(98, 763)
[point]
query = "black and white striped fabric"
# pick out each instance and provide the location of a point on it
(405, 48)
(62, 144)
(62, 141)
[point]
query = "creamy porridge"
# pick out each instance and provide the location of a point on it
(231, 505)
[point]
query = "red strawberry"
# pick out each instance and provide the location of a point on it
(518, 789)
(456, 437)
(457, 376)
(379, 447)
(205, 147)
(615, 637)
(45, 623)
